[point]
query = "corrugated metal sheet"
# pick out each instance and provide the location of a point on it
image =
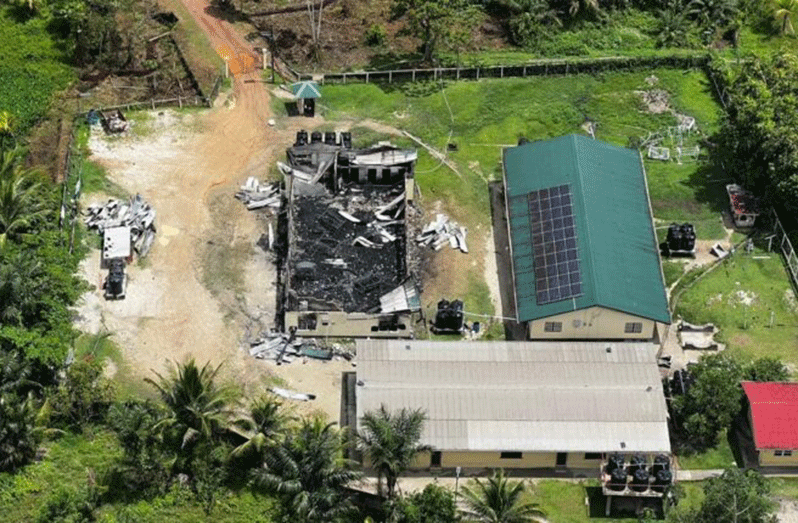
(618, 252)
(527, 396)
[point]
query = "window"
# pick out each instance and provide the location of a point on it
(511, 455)
(592, 455)
(552, 326)
(782, 453)
(633, 328)
(435, 459)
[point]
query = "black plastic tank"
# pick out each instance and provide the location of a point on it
(616, 461)
(301, 138)
(662, 480)
(346, 140)
(637, 462)
(329, 138)
(639, 481)
(315, 137)
(617, 479)
(116, 278)
(661, 462)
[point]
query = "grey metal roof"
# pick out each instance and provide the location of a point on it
(521, 396)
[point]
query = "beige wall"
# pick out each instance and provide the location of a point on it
(348, 325)
(767, 458)
(592, 323)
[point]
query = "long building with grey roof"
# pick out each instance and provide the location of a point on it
(517, 404)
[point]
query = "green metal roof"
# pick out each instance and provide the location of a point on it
(306, 89)
(618, 252)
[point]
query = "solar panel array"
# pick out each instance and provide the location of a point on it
(556, 259)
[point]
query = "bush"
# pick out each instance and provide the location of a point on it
(83, 397)
(376, 35)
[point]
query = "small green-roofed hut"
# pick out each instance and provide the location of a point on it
(585, 257)
(305, 90)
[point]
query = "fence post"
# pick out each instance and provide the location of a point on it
(390, 76)
(524, 71)
(367, 77)
(501, 71)
(414, 75)
(477, 73)
(344, 77)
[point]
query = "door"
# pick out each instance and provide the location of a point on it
(562, 458)
(435, 459)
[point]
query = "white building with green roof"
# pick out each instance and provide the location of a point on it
(585, 259)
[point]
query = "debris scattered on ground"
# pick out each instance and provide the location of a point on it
(292, 395)
(742, 297)
(657, 100)
(719, 251)
(697, 337)
(442, 231)
(135, 213)
(282, 349)
(257, 195)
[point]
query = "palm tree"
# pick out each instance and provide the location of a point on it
(18, 189)
(391, 441)
(784, 11)
(199, 409)
(19, 436)
(307, 471)
(498, 500)
(264, 427)
(6, 128)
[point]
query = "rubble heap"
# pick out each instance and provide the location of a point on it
(134, 213)
(282, 349)
(349, 249)
(257, 195)
(442, 231)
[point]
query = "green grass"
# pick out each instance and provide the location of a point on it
(673, 270)
(34, 66)
(746, 329)
(75, 460)
(68, 463)
(564, 502)
(102, 346)
(718, 457)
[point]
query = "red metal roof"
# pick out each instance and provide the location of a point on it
(774, 414)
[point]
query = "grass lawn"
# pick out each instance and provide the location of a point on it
(72, 460)
(33, 67)
(740, 297)
(718, 457)
(484, 116)
(564, 501)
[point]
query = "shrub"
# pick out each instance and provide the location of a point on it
(376, 35)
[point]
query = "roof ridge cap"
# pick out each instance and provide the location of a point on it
(596, 294)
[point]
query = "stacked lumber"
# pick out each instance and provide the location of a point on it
(134, 213)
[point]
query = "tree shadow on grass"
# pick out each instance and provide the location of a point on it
(708, 183)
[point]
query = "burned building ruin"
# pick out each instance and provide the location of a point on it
(345, 272)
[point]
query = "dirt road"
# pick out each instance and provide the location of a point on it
(204, 279)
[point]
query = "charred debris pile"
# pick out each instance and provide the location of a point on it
(347, 223)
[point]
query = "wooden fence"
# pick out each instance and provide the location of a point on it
(786, 248)
(533, 68)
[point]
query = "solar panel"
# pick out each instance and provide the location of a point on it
(551, 219)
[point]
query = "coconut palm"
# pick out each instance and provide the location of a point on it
(784, 11)
(19, 436)
(198, 408)
(391, 441)
(263, 427)
(18, 190)
(498, 500)
(308, 473)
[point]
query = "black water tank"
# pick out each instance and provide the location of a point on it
(637, 462)
(315, 137)
(639, 481)
(617, 479)
(615, 462)
(661, 462)
(301, 138)
(662, 480)
(329, 138)
(687, 237)
(346, 140)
